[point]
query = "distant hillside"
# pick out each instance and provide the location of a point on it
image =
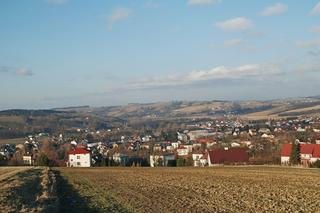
(72, 108)
(179, 109)
(20, 112)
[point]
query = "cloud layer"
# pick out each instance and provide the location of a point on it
(276, 9)
(315, 29)
(216, 73)
(201, 2)
(316, 9)
(233, 42)
(235, 24)
(309, 43)
(21, 71)
(118, 14)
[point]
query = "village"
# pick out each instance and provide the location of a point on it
(217, 142)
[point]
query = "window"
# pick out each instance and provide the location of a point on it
(78, 157)
(78, 164)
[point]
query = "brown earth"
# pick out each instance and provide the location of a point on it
(221, 189)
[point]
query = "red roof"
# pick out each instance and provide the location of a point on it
(286, 150)
(232, 155)
(311, 149)
(182, 147)
(204, 140)
(316, 151)
(78, 151)
(306, 148)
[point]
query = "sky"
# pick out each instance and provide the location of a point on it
(58, 53)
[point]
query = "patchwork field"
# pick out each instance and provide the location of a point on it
(223, 189)
(219, 189)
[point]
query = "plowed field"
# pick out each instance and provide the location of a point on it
(220, 189)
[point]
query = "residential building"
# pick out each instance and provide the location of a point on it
(79, 157)
(309, 153)
(228, 156)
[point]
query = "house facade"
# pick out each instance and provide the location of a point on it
(79, 157)
(165, 158)
(182, 151)
(27, 160)
(120, 158)
(309, 153)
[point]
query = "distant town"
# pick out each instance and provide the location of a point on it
(81, 139)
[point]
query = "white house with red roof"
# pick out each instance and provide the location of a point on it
(309, 153)
(182, 151)
(79, 157)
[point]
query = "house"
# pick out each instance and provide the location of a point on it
(193, 135)
(197, 156)
(246, 143)
(234, 144)
(189, 147)
(157, 147)
(182, 137)
(264, 135)
(300, 129)
(120, 158)
(309, 153)
(228, 156)
(27, 160)
(165, 159)
(285, 153)
(175, 144)
(196, 145)
(145, 146)
(182, 151)
(169, 148)
(79, 157)
(264, 131)
(199, 159)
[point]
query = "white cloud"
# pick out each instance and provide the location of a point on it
(220, 72)
(23, 72)
(308, 68)
(57, 2)
(151, 4)
(118, 14)
(310, 43)
(315, 29)
(316, 9)
(276, 9)
(202, 2)
(233, 42)
(235, 24)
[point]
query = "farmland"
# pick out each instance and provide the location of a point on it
(26, 189)
(219, 189)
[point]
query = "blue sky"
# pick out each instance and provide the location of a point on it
(56, 53)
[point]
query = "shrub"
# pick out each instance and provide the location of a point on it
(42, 160)
(316, 164)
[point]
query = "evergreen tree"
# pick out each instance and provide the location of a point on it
(180, 161)
(295, 154)
(42, 160)
(189, 161)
